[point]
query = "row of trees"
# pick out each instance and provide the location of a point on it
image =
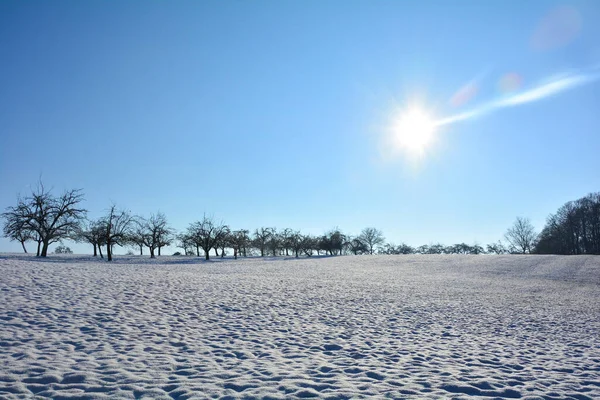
(46, 219)
(573, 229)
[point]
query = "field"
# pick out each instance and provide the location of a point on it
(422, 327)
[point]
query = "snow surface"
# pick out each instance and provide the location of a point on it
(427, 327)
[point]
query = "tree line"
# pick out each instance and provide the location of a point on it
(45, 219)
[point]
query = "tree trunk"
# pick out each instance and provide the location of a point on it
(159, 250)
(151, 252)
(216, 252)
(286, 252)
(235, 253)
(207, 254)
(141, 250)
(109, 250)
(38, 249)
(223, 252)
(95, 250)
(197, 251)
(23, 244)
(45, 248)
(100, 251)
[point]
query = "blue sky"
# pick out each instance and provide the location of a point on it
(269, 113)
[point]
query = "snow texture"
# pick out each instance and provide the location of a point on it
(426, 327)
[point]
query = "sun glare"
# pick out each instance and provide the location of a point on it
(413, 131)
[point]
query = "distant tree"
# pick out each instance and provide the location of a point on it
(573, 229)
(332, 242)
(436, 248)
(16, 229)
(206, 233)
(63, 250)
(153, 233)
(296, 242)
(423, 249)
(117, 229)
(403, 248)
(165, 234)
(90, 232)
(186, 243)
(461, 248)
(521, 236)
(261, 239)
(391, 248)
(274, 243)
(308, 244)
(496, 248)
(286, 240)
(50, 218)
(476, 249)
(224, 241)
(138, 234)
(239, 242)
(357, 246)
(372, 238)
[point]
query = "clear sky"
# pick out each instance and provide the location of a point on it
(285, 113)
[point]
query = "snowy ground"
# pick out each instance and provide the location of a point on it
(427, 327)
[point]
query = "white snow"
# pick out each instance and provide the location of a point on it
(427, 327)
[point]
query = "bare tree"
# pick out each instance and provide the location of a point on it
(296, 242)
(521, 236)
(308, 244)
(496, 248)
(205, 234)
(286, 236)
(275, 243)
(51, 218)
(90, 232)
(372, 238)
(153, 233)
(224, 241)
(186, 243)
(357, 246)
(138, 232)
(239, 241)
(116, 229)
(166, 234)
(261, 239)
(15, 229)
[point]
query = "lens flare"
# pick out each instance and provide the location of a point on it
(510, 83)
(464, 94)
(557, 28)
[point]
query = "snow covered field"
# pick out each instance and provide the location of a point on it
(434, 327)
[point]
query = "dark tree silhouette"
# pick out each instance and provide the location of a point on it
(51, 218)
(357, 246)
(153, 233)
(239, 241)
(261, 239)
(372, 238)
(496, 248)
(117, 228)
(206, 233)
(90, 232)
(15, 229)
(574, 229)
(521, 236)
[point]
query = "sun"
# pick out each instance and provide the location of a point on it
(413, 131)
